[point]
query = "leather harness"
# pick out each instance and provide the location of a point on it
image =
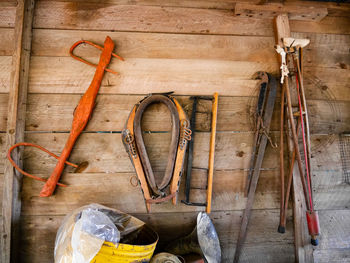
(135, 147)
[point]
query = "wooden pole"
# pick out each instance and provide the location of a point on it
(303, 250)
(212, 152)
(11, 209)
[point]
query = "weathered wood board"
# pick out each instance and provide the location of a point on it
(184, 76)
(324, 49)
(54, 112)
(262, 235)
(190, 47)
(94, 16)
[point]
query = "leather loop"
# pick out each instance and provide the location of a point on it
(135, 147)
(40, 148)
(175, 133)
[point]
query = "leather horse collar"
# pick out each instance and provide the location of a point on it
(135, 147)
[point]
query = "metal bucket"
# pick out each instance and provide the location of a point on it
(141, 251)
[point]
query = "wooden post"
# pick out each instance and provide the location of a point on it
(11, 209)
(303, 250)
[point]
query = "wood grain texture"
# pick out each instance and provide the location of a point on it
(270, 10)
(6, 44)
(96, 16)
(334, 9)
(185, 77)
(53, 112)
(7, 14)
(105, 151)
(118, 190)
(192, 47)
(335, 229)
(1, 192)
(262, 238)
(3, 111)
(336, 255)
(2, 153)
(5, 72)
(326, 50)
(11, 201)
(143, 76)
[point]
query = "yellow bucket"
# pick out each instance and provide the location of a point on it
(141, 251)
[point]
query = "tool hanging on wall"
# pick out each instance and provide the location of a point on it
(211, 151)
(82, 114)
(266, 102)
(292, 51)
(135, 147)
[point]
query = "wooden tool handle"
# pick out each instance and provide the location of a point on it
(212, 152)
(82, 115)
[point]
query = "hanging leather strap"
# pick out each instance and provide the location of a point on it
(135, 146)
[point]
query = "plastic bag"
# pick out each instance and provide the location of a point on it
(83, 232)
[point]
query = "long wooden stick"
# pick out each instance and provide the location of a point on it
(281, 227)
(212, 152)
(11, 209)
(257, 166)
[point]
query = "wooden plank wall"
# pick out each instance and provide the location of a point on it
(190, 47)
(7, 23)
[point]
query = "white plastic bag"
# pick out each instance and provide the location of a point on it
(83, 232)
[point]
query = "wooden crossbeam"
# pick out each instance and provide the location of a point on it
(15, 129)
(270, 10)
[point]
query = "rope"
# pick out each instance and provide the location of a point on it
(264, 131)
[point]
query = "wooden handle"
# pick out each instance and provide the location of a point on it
(211, 152)
(82, 115)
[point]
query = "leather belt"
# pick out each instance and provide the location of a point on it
(135, 147)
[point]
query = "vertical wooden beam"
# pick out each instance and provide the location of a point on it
(303, 249)
(15, 129)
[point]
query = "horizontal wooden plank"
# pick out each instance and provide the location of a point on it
(336, 255)
(120, 191)
(262, 238)
(7, 15)
(329, 24)
(3, 111)
(6, 44)
(98, 16)
(325, 153)
(106, 154)
(157, 45)
(324, 49)
(54, 112)
(334, 9)
(185, 77)
(330, 191)
(143, 76)
(271, 10)
(335, 229)
(5, 66)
